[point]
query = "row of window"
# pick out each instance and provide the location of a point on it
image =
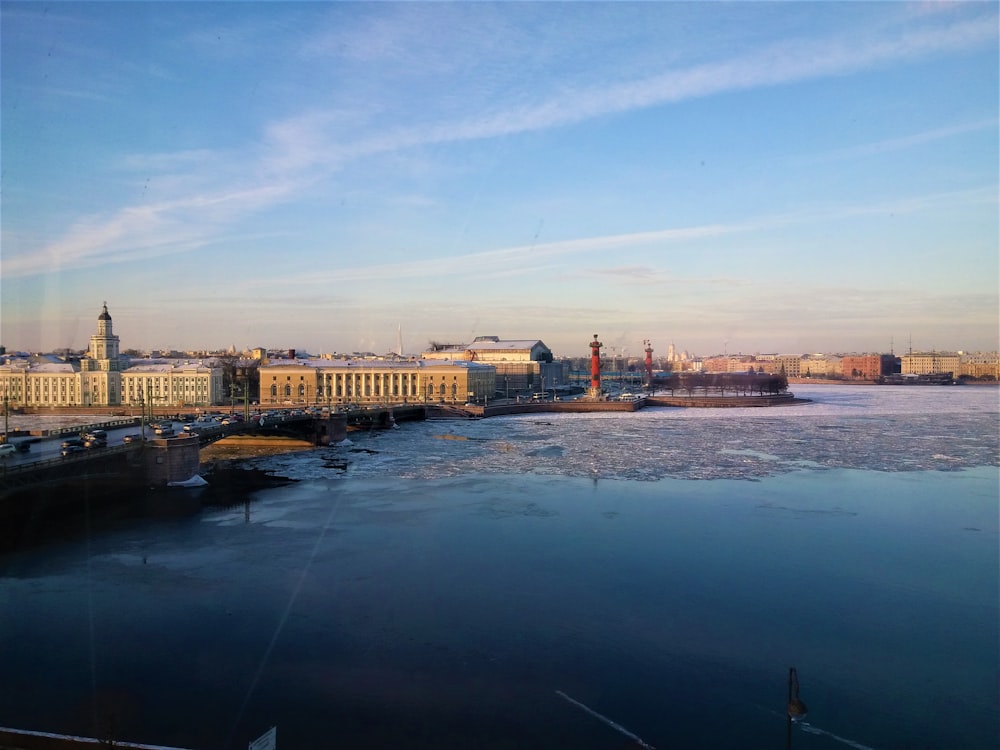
(367, 391)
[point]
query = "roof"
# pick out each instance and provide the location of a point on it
(365, 364)
(498, 345)
(52, 367)
(165, 367)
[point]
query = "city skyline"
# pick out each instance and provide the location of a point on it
(737, 177)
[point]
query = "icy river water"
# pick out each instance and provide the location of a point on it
(547, 581)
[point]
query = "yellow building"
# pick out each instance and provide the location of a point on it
(981, 366)
(522, 365)
(332, 382)
(165, 383)
(925, 363)
(105, 378)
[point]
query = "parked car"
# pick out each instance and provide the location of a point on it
(69, 450)
(7, 449)
(72, 443)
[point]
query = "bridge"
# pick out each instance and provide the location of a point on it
(159, 460)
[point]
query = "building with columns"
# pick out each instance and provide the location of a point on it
(103, 377)
(332, 382)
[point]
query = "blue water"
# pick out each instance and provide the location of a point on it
(436, 585)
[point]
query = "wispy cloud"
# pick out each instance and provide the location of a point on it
(524, 260)
(297, 151)
(904, 142)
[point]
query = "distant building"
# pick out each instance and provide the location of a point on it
(821, 366)
(331, 382)
(925, 363)
(729, 363)
(172, 383)
(867, 366)
(104, 377)
(522, 365)
(981, 366)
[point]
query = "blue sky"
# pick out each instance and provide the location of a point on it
(754, 177)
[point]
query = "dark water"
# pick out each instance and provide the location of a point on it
(377, 609)
(447, 613)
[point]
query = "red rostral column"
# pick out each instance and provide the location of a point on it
(649, 363)
(595, 366)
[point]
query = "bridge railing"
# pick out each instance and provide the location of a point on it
(108, 425)
(84, 455)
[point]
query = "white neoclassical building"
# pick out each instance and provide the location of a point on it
(106, 378)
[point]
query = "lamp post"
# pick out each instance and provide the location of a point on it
(142, 414)
(6, 414)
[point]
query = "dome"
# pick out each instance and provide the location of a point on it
(104, 313)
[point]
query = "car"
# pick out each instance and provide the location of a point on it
(95, 443)
(190, 427)
(69, 450)
(134, 437)
(7, 449)
(72, 443)
(164, 428)
(94, 435)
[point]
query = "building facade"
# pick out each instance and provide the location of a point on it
(103, 377)
(926, 363)
(523, 366)
(162, 383)
(332, 382)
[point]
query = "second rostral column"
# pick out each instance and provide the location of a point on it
(595, 369)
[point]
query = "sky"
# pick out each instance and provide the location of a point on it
(337, 177)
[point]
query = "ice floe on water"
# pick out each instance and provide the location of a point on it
(873, 428)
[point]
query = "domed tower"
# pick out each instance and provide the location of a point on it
(104, 344)
(100, 370)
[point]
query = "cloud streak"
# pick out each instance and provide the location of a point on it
(298, 151)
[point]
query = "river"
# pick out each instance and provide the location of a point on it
(544, 581)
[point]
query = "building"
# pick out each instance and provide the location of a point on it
(925, 363)
(172, 383)
(332, 382)
(104, 377)
(867, 366)
(821, 366)
(730, 363)
(981, 366)
(522, 366)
